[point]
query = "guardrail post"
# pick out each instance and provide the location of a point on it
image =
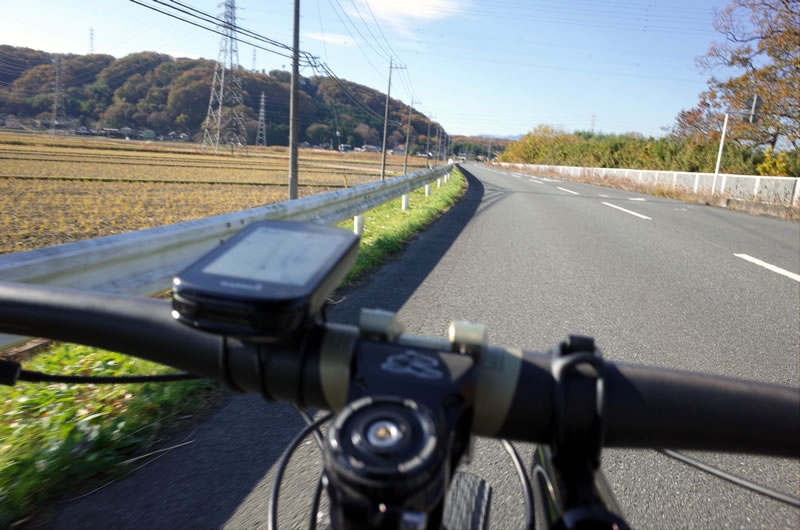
(405, 202)
(427, 190)
(358, 224)
(439, 182)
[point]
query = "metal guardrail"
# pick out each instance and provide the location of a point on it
(767, 189)
(144, 261)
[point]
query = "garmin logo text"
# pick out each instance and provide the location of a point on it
(241, 285)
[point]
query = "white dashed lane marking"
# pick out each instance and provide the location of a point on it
(769, 266)
(620, 208)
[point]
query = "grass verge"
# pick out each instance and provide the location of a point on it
(54, 436)
(387, 228)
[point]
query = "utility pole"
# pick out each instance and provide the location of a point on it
(427, 146)
(593, 116)
(254, 59)
(386, 123)
(719, 154)
(751, 116)
(386, 118)
(294, 105)
(408, 132)
(56, 95)
(261, 135)
(438, 143)
(91, 41)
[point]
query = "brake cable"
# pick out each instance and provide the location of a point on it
(739, 481)
(272, 507)
(11, 372)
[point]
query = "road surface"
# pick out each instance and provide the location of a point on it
(656, 281)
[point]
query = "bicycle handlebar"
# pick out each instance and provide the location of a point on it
(644, 406)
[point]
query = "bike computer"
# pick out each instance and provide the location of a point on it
(266, 281)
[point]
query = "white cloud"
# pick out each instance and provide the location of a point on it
(330, 38)
(390, 10)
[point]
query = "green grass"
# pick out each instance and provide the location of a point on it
(54, 436)
(387, 228)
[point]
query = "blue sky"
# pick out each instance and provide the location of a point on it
(478, 67)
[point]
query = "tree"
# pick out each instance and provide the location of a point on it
(760, 55)
(368, 134)
(318, 133)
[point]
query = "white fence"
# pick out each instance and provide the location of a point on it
(771, 190)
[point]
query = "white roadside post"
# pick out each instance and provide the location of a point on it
(427, 190)
(358, 224)
(439, 182)
(405, 202)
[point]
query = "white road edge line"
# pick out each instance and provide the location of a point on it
(620, 208)
(636, 199)
(769, 266)
(568, 191)
(536, 181)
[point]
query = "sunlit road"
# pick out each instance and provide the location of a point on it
(656, 281)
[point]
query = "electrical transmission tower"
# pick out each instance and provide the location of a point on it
(224, 123)
(261, 135)
(56, 95)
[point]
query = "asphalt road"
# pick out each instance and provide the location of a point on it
(656, 282)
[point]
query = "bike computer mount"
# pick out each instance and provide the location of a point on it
(265, 282)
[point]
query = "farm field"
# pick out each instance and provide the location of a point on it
(56, 190)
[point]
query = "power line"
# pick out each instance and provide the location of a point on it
(354, 39)
(325, 68)
(372, 14)
(368, 29)
(366, 41)
(261, 38)
(226, 24)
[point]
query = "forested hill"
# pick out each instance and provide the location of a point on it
(153, 91)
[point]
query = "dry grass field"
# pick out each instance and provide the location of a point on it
(55, 190)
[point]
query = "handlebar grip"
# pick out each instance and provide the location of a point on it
(137, 326)
(145, 328)
(654, 408)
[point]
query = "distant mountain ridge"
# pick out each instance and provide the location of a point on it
(157, 92)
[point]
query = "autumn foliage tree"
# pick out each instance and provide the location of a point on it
(760, 54)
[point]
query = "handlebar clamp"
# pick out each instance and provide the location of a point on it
(578, 436)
